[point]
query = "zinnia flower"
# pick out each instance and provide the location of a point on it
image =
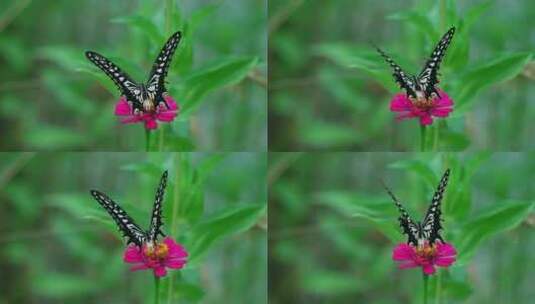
(157, 257)
(424, 109)
(161, 113)
(427, 257)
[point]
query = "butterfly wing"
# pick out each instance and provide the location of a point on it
(156, 82)
(431, 223)
(403, 79)
(156, 219)
(428, 78)
(125, 223)
(409, 227)
(124, 82)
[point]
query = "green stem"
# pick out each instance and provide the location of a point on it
(423, 130)
(160, 139)
(436, 132)
(426, 281)
(438, 288)
(156, 290)
(176, 193)
(147, 140)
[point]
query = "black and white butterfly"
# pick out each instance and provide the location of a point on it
(428, 229)
(423, 86)
(143, 97)
(126, 224)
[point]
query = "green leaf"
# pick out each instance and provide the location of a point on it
(224, 73)
(363, 58)
(52, 137)
(221, 225)
(62, 285)
(418, 167)
(420, 22)
(501, 69)
(145, 25)
(377, 210)
(505, 216)
(474, 13)
(322, 134)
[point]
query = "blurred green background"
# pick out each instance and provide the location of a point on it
(59, 246)
(330, 90)
(53, 98)
(332, 226)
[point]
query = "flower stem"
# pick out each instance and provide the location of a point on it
(438, 288)
(426, 281)
(147, 140)
(423, 132)
(156, 290)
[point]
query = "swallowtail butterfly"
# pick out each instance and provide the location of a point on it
(422, 86)
(126, 224)
(143, 97)
(428, 229)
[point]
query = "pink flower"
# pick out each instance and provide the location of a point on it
(439, 254)
(156, 257)
(425, 109)
(161, 113)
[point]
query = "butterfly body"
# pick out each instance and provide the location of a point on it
(423, 87)
(126, 224)
(423, 232)
(143, 97)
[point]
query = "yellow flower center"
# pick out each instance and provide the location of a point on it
(426, 251)
(424, 103)
(158, 251)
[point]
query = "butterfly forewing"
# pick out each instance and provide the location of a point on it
(125, 223)
(131, 90)
(156, 82)
(431, 223)
(428, 78)
(408, 226)
(404, 80)
(156, 219)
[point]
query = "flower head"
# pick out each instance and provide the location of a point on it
(156, 256)
(424, 109)
(161, 113)
(427, 257)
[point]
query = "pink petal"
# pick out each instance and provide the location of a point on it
(426, 119)
(170, 102)
(444, 100)
(160, 271)
(441, 112)
(166, 116)
(131, 119)
(444, 261)
(403, 252)
(176, 251)
(400, 103)
(122, 107)
(408, 264)
(429, 269)
(151, 124)
(176, 264)
(139, 267)
(133, 255)
(446, 249)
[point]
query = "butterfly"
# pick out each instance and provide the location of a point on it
(423, 86)
(428, 229)
(126, 224)
(143, 97)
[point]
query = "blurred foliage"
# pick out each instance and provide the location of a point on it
(329, 89)
(53, 98)
(332, 226)
(59, 246)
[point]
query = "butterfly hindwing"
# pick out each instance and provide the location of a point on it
(428, 78)
(156, 218)
(431, 223)
(408, 226)
(404, 80)
(156, 82)
(124, 222)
